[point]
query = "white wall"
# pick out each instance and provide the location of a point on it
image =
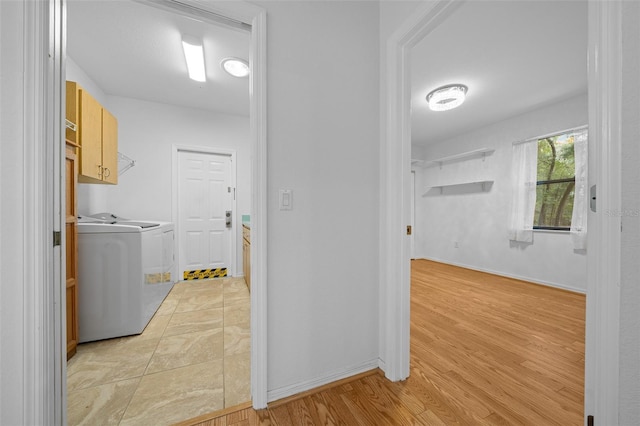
(629, 389)
(13, 274)
(323, 145)
(477, 220)
(146, 133)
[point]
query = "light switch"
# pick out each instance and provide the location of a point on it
(286, 199)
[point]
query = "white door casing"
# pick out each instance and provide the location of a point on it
(206, 193)
(256, 17)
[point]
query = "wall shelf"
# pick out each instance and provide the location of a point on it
(465, 187)
(482, 152)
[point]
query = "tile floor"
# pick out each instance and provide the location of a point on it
(192, 358)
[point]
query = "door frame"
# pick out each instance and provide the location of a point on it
(45, 394)
(412, 220)
(175, 166)
(256, 17)
(603, 292)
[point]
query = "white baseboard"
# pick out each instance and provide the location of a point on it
(508, 275)
(382, 365)
(285, 391)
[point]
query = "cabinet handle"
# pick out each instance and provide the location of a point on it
(99, 170)
(107, 172)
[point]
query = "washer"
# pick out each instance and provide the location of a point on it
(125, 270)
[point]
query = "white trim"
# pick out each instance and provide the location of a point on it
(207, 12)
(342, 373)
(603, 315)
(57, 50)
(175, 151)
(514, 276)
(42, 270)
(603, 282)
(257, 18)
(395, 167)
(259, 284)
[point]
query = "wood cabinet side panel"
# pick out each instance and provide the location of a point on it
(71, 249)
(72, 110)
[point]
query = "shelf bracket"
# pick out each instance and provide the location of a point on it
(124, 163)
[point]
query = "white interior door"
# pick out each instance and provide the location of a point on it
(205, 201)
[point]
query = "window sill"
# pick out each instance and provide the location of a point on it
(552, 231)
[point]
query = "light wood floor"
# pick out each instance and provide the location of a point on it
(485, 350)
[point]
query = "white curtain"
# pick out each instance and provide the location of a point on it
(523, 191)
(581, 193)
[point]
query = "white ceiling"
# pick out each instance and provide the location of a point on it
(515, 56)
(135, 50)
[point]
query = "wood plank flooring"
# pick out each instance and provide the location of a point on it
(485, 350)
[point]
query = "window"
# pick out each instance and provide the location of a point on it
(555, 186)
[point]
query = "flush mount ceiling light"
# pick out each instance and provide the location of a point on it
(194, 55)
(447, 97)
(236, 67)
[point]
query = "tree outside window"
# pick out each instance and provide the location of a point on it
(555, 183)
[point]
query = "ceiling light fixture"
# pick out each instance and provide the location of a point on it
(235, 66)
(194, 55)
(447, 97)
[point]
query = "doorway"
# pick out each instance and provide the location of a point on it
(603, 272)
(254, 17)
(464, 169)
(150, 117)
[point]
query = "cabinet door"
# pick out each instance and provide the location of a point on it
(109, 147)
(90, 138)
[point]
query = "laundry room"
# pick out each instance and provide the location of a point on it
(161, 202)
(133, 64)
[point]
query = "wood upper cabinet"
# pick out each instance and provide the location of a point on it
(96, 136)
